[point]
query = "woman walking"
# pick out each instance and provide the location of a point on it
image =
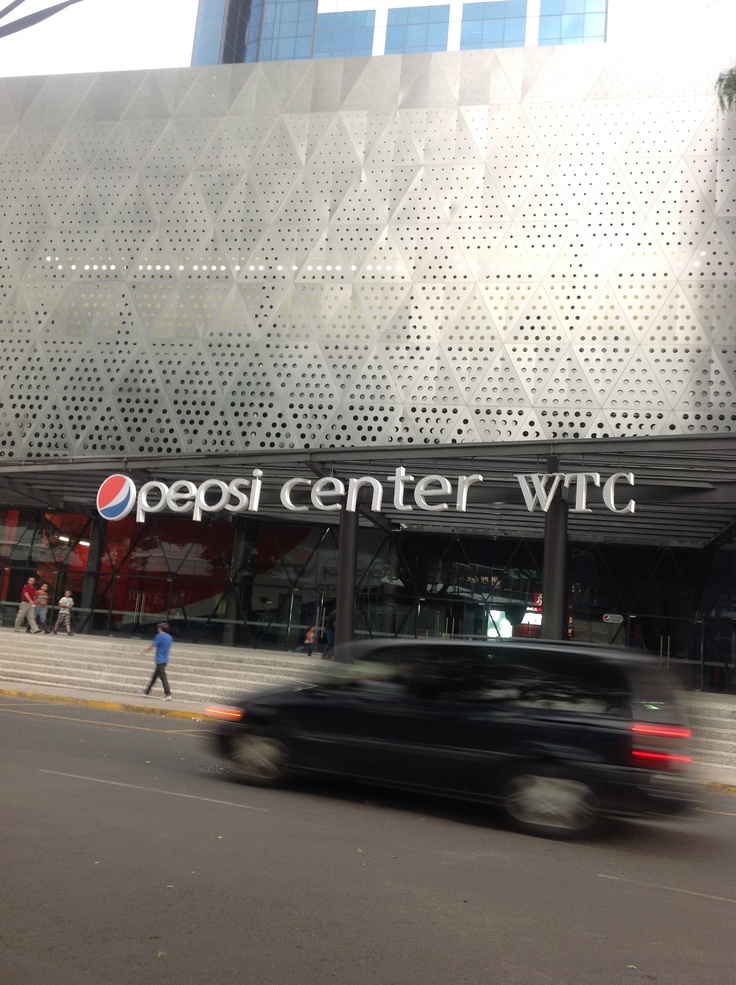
(42, 607)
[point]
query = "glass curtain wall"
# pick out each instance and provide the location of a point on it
(256, 583)
(52, 547)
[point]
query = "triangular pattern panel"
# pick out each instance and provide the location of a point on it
(472, 246)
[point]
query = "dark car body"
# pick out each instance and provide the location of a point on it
(559, 735)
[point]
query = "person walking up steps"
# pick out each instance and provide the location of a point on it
(66, 604)
(162, 645)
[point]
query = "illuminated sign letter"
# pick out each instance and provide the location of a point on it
(286, 491)
(422, 490)
(609, 492)
(541, 494)
(351, 504)
(581, 488)
(181, 496)
(327, 486)
(200, 500)
(464, 482)
(400, 478)
(144, 506)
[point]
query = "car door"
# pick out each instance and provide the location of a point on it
(321, 724)
(531, 705)
(425, 722)
(374, 724)
(472, 727)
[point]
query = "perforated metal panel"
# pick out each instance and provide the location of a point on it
(465, 247)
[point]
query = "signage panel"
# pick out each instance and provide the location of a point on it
(118, 496)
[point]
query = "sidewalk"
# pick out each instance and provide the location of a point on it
(714, 778)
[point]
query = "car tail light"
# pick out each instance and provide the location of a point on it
(224, 713)
(660, 747)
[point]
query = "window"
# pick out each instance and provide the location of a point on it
(417, 29)
(497, 24)
(208, 32)
(526, 677)
(288, 30)
(343, 35)
(534, 678)
(572, 21)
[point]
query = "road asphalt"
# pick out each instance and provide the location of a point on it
(716, 779)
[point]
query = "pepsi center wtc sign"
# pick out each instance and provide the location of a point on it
(118, 495)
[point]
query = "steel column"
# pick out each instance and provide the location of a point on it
(554, 577)
(347, 563)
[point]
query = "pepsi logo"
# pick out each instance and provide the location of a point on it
(116, 497)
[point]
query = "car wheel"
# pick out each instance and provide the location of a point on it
(548, 801)
(260, 760)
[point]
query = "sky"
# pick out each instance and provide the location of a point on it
(100, 36)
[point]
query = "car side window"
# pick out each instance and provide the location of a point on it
(584, 685)
(387, 673)
(541, 679)
(423, 671)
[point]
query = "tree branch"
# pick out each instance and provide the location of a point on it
(30, 19)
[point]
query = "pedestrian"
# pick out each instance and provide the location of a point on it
(26, 610)
(310, 638)
(41, 607)
(66, 604)
(637, 637)
(162, 645)
(330, 635)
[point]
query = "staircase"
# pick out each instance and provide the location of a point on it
(713, 720)
(98, 663)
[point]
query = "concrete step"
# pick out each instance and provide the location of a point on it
(717, 737)
(717, 709)
(191, 690)
(209, 681)
(718, 732)
(713, 758)
(210, 684)
(713, 723)
(75, 661)
(196, 673)
(182, 654)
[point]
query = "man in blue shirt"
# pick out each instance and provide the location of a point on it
(161, 644)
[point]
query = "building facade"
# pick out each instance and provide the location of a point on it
(456, 264)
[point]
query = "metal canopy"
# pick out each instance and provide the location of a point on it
(685, 487)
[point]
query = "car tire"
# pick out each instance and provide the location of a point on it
(260, 760)
(542, 799)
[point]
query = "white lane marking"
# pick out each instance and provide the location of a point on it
(668, 889)
(169, 793)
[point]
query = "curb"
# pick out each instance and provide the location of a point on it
(61, 699)
(715, 787)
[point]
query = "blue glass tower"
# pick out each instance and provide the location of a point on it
(277, 30)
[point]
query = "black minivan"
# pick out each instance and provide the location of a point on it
(559, 735)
